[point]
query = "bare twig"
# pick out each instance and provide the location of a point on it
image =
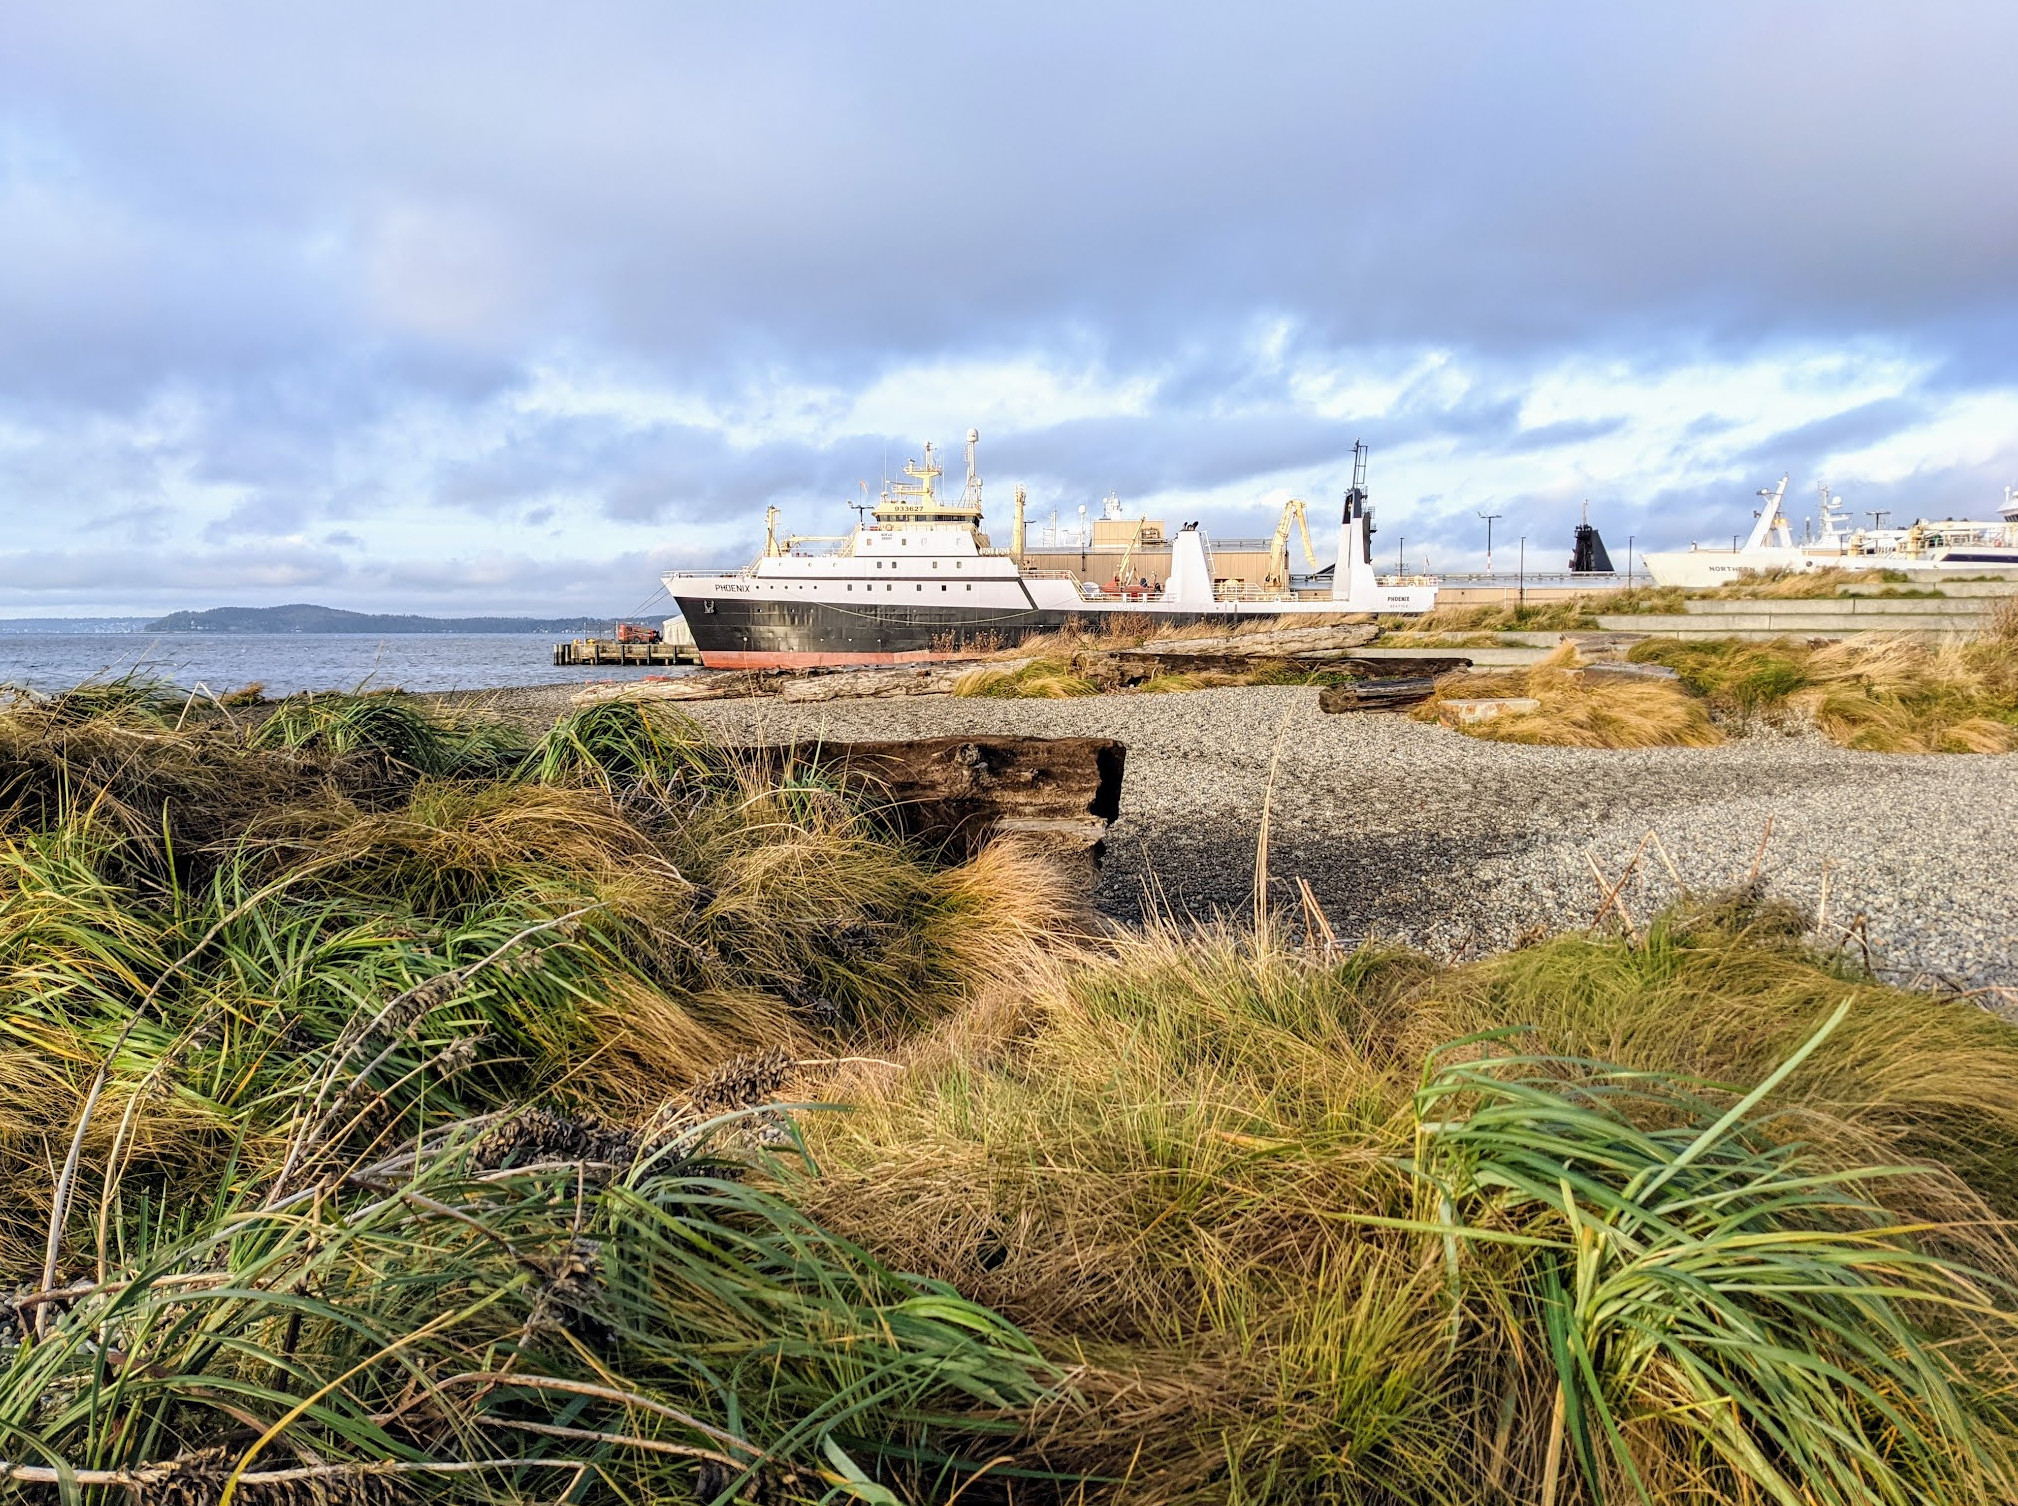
(1758, 857)
(1613, 892)
(1666, 861)
(490, 1379)
(138, 1478)
(649, 1445)
(1261, 841)
(1315, 921)
(59, 1203)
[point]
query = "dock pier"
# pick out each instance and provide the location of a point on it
(601, 652)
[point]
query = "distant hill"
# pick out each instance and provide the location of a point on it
(302, 618)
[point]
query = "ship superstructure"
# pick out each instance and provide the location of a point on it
(920, 579)
(1926, 544)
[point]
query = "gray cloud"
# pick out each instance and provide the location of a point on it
(272, 275)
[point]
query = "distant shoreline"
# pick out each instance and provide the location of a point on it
(305, 621)
(303, 617)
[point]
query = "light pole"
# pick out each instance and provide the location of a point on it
(1400, 554)
(1489, 519)
(1629, 562)
(1521, 605)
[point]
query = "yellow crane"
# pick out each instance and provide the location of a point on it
(1278, 548)
(1122, 585)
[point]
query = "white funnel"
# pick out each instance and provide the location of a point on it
(1190, 582)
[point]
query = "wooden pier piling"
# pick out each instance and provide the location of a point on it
(609, 652)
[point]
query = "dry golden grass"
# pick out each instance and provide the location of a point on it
(1873, 692)
(725, 915)
(1145, 1163)
(2000, 623)
(1575, 713)
(1040, 679)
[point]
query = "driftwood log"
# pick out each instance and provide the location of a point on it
(1330, 641)
(794, 685)
(1133, 667)
(1377, 695)
(960, 792)
(1327, 647)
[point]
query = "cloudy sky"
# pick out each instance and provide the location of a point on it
(508, 307)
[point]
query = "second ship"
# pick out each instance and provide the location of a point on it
(919, 580)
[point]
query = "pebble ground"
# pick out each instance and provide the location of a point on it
(1458, 846)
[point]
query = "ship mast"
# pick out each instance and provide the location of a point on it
(918, 500)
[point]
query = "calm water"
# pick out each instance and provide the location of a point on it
(285, 662)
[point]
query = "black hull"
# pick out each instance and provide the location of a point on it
(750, 634)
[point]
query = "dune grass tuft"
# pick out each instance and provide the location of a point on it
(379, 1054)
(1876, 693)
(1043, 679)
(417, 1131)
(1197, 1172)
(1578, 713)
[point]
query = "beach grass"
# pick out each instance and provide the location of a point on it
(611, 1117)
(353, 1054)
(1874, 692)
(1574, 711)
(1347, 1228)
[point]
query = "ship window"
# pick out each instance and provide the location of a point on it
(935, 564)
(942, 585)
(970, 585)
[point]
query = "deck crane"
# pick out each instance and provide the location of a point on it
(1278, 548)
(1121, 585)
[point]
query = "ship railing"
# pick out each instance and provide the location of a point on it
(1594, 580)
(1234, 590)
(1049, 575)
(744, 571)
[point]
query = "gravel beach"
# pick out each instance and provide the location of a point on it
(1458, 846)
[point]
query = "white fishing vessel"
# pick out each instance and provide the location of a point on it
(1925, 544)
(920, 580)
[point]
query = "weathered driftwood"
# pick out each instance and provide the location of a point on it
(1377, 695)
(1133, 666)
(704, 685)
(961, 791)
(1331, 642)
(1230, 653)
(860, 684)
(794, 685)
